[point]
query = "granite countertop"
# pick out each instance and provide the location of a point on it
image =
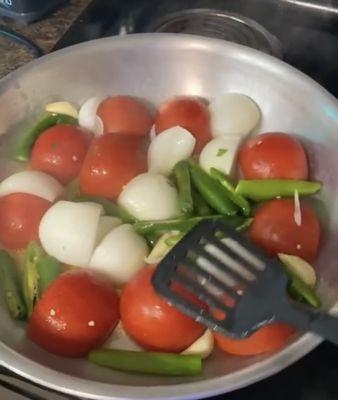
(45, 34)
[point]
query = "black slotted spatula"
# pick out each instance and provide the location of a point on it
(241, 287)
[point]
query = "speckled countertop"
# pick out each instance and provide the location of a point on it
(45, 34)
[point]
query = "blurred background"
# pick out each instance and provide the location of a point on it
(302, 32)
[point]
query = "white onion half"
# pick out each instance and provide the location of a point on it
(106, 225)
(220, 153)
(88, 118)
(233, 114)
(62, 107)
(68, 231)
(150, 197)
(120, 254)
(169, 147)
(36, 183)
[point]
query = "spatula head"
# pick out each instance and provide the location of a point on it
(241, 288)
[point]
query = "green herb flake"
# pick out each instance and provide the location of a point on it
(54, 146)
(221, 152)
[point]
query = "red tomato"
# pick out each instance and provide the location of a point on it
(112, 161)
(188, 113)
(60, 152)
(275, 230)
(273, 155)
(269, 338)
(20, 216)
(123, 114)
(76, 313)
(150, 321)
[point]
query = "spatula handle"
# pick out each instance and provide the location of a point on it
(326, 326)
(316, 321)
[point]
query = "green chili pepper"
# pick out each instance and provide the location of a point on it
(110, 208)
(212, 191)
(30, 280)
(25, 143)
(10, 288)
(266, 189)
(300, 291)
(182, 177)
(201, 207)
(245, 225)
(162, 226)
(307, 296)
(48, 269)
(148, 362)
(161, 248)
(236, 198)
(238, 223)
(152, 238)
(40, 270)
(174, 239)
(225, 179)
(183, 225)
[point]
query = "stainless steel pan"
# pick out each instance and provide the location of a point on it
(154, 67)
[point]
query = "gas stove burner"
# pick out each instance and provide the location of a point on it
(220, 25)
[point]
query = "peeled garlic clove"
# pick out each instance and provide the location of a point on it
(203, 346)
(62, 107)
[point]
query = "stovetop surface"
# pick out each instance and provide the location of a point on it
(308, 34)
(307, 30)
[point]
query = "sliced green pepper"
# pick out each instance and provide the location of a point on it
(110, 208)
(25, 143)
(148, 362)
(302, 292)
(39, 271)
(182, 177)
(201, 207)
(48, 269)
(30, 279)
(212, 191)
(184, 225)
(10, 288)
(267, 189)
(236, 198)
(299, 290)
